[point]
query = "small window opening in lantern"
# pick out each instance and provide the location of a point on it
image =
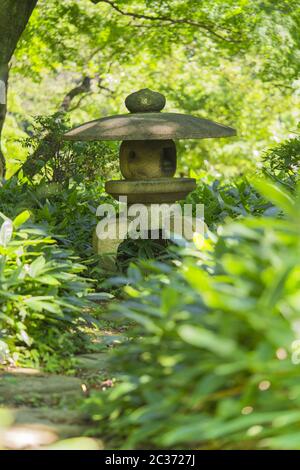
(132, 155)
(168, 161)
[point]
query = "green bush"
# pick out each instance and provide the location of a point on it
(43, 298)
(282, 163)
(67, 214)
(61, 161)
(223, 202)
(214, 359)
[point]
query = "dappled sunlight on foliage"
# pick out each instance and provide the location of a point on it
(204, 367)
(175, 344)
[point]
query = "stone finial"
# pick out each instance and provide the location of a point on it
(145, 101)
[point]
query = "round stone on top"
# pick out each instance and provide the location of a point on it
(145, 101)
(146, 122)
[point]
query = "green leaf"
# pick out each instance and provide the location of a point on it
(206, 429)
(206, 339)
(48, 280)
(276, 194)
(37, 266)
(23, 335)
(39, 305)
(75, 443)
(288, 441)
(21, 218)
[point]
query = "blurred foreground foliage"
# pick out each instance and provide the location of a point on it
(214, 359)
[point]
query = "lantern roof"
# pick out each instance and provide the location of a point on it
(145, 121)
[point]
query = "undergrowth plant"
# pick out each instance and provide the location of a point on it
(282, 163)
(67, 214)
(226, 201)
(214, 359)
(43, 297)
(62, 161)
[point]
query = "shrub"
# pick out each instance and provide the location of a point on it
(42, 295)
(130, 250)
(67, 214)
(282, 163)
(214, 359)
(229, 201)
(61, 161)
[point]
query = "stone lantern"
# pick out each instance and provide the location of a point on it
(147, 153)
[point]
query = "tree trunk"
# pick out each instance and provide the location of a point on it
(3, 95)
(14, 16)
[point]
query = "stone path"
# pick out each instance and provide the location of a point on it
(40, 411)
(17, 387)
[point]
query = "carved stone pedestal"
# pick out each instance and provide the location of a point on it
(150, 221)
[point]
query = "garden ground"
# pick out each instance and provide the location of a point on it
(43, 410)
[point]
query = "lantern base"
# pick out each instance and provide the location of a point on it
(168, 226)
(147, 191)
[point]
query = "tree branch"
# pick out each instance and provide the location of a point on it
(84, 87)
(76, 105)
(184, 21)
(33, 163)
(37, 159)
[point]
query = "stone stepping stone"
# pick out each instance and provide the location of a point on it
(27, 437)
(61, 421)
(38, 427)
(20, 388)
(93, 362)
(77, 443)
(48, 416)
(55, 424)
(101, 341)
